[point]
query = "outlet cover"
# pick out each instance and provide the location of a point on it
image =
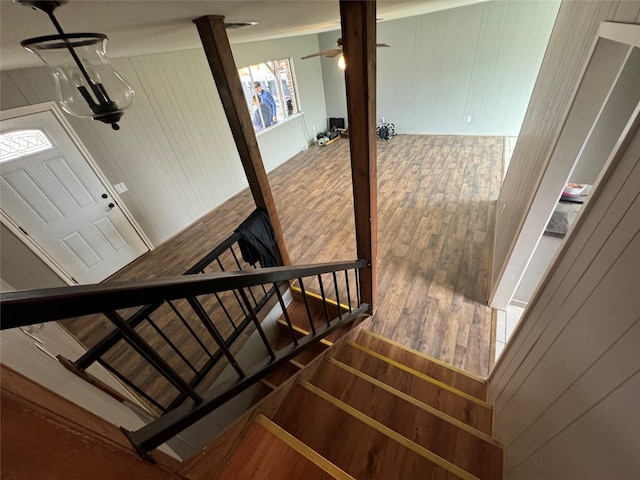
(120, 187)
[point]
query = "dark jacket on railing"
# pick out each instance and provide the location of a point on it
(258, 240)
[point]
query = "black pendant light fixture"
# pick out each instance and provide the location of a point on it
(86, 83)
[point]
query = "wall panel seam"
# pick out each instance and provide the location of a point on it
(578, 308)
(578, 378)
(625, 381)
(568, 270)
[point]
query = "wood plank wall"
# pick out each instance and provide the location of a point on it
(478, 60)
(569, 46)
(566, 389)
(175, 151)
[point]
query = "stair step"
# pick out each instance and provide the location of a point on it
(356, 443)
(423, 363)
(315, 301)
(282, 373)
(300, 332)
(298, 311)
(449, 400)
(267, 451)
(307, 355)
(454, 441)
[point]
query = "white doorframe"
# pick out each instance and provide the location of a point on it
(15, 229)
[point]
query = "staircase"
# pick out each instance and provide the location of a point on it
(344, 402)
(368, 408)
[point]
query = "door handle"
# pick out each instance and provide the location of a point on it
(111, 205)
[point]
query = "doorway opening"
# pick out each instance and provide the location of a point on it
(609, 88)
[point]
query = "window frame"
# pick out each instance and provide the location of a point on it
(263, 72)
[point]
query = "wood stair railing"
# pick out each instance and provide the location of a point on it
(368, 408)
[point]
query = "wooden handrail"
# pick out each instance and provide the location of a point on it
(21, 308)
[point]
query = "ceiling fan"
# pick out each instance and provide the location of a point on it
(334, 52)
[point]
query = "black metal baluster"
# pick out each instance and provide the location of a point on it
(108, 342)
(235, 294)
(171, 344)
(357, 272)
(202, 314)
(255, 302)
(184, 322)
(335, 284)
(346, 277)
(324, 301)
(130, 384)
(262, 285)
(235, 327)
(306, 305)
(235, 257)
(254, 317)
(139, 345)
(220, 264)
(286, 314)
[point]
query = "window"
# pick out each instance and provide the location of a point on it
(22, 143)
(267, 86)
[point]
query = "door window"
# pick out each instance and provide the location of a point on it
(21, 143)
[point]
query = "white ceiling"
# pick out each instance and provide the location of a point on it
(153, 26)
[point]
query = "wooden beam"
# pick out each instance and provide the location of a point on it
(225, 73)
(359, 43)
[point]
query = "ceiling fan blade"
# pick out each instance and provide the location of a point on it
(334, 53)
(329, 53)
(326, 52)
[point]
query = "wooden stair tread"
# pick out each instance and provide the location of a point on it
(282, 373)
(434, 432)
(469, 410)
(302, 328)
(351, 444)
(262, 454)
(299, 332)
(424, 363)
(298, 314)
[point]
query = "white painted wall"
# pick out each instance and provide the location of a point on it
(480, 61)
(565, 391)
(20, 352)
(21, 268)
(174, 152)
(517, 228)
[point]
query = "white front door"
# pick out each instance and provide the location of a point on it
(48, 188)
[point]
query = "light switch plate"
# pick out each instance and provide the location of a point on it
(120, 187)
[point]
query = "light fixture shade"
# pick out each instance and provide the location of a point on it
(86, 83)
(342, 64)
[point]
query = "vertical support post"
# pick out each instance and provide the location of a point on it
(359, 43)
(225, 73)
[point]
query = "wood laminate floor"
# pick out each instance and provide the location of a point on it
(436, 213)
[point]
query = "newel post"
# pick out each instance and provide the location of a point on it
(359, 44)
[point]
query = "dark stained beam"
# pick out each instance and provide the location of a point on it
(359, 44)
(225, 73)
